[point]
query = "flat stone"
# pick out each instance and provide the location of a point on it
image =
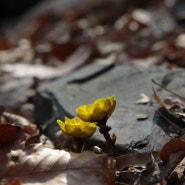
(127, 83)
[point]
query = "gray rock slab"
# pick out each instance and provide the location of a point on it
(127, 83)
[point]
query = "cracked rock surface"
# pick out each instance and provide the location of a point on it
(127, 83)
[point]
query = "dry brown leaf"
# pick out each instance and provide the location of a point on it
(158, 99)
(135, 159)
(40, 165)
(175, 104)
(18, 120)
(173, 146)
(152, 174)
(146, 168)
(10, 134)
(177, 175)
(135, 165)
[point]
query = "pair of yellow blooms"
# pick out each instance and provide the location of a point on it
(89, 115)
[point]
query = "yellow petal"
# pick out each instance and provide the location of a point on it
(77, 128)
(100, 110)
(61, 125)
(85, 112)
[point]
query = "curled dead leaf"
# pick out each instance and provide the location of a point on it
(18, 120)
(157, 98)
(171, 147)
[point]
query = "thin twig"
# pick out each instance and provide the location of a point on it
(181, 97)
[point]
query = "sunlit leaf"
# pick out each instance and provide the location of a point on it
(40, 165)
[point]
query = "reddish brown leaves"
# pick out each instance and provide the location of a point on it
(171, 147)
(14, 130)
(9, 134)
(63, 50)
(4, 43)
(13, 182)
(173, 53)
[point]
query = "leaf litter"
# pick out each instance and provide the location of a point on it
(36, 163)
(27, 163)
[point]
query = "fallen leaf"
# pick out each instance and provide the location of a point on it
(4, 43)
(152, 173)
(9, 134)
(143, 99)
(63, 50)
(174, 104)
(173, 146)
(36, 164)
(157, 98)
(173, 53)
(135, 159)
(13, 182)
(18, 120)
(177, 175)
(131, 166)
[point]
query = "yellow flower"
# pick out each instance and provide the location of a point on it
(99, 111)
(77, 128)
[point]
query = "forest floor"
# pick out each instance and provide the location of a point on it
(63, 54)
